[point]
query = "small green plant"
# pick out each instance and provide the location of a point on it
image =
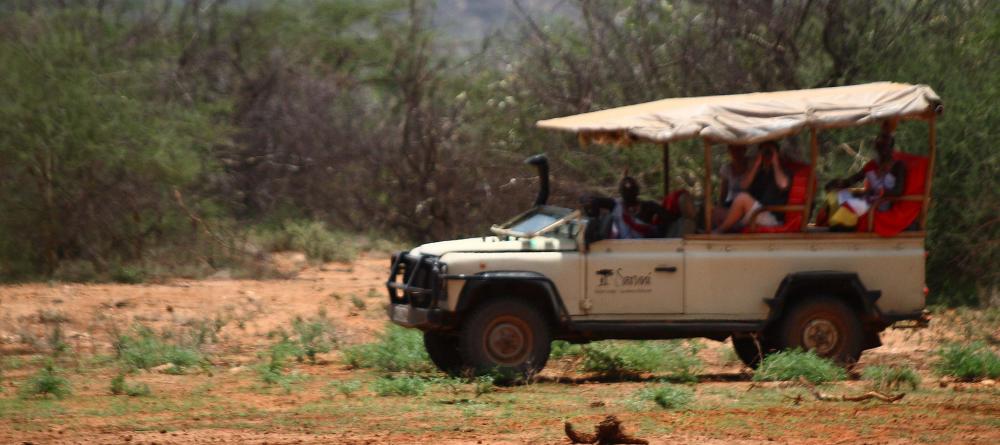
(891, 377)
(130, 274)
(143, 349)
(399, 386)
(358, 303)
(272, 370)
(347, 388)
(665, 396)
(484, 384)
(972, 361)
(47, 381)
(397, 349)
(57, 340)
(315, 336)
(790, 365)
(119, 386)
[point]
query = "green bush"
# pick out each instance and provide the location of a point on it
(677, 360)
(397, 349)
(891, 377)
(970, 361)
(358, 303)
(45, 382)
(143, 349)
(128, 274)
(399, 386)
(790, 365)
(119, 386)
(665, 396)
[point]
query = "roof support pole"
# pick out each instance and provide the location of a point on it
(708, 187)
(811, 185)
(931, 150)
(666, 169)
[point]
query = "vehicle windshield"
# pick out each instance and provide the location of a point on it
(548, 220)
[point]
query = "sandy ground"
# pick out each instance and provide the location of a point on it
(225, 402)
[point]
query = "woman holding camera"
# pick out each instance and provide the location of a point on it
(765, 184)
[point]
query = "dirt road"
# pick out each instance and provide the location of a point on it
(226, 402)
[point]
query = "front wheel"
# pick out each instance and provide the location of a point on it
(443, 351)
(751, 350)
(825, 326)
(507, 337)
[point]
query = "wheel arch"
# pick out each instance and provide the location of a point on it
(846, 286)
(532, 287)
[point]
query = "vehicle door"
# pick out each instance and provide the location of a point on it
(635, 276)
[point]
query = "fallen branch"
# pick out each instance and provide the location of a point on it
(608, 432)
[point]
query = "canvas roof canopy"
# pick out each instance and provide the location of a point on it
(751, 118)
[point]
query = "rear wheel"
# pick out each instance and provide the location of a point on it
(443, 351)
(826, 326)
(508, 337)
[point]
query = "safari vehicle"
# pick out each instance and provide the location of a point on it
(498, 301)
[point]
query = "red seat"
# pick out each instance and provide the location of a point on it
(795, 208)
(906, 208)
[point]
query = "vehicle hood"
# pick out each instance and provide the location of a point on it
(494, 244)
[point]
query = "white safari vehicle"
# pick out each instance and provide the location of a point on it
(497, 302)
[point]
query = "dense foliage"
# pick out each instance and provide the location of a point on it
(145, 135)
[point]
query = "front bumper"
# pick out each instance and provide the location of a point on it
(415, 317)
(416, 287)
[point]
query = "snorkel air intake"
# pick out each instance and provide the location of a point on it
(542, 164)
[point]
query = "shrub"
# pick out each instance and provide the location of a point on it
(971, 361)
(677, 360)
(143, 349)
(397, 349)
(399, 386)
(891, 377)
(790, 365)
(46, 382)
(128, 274)
(119, 386)
(57, 340)
(665, 396)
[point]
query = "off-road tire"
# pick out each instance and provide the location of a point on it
(827, 326)
(748, 352)
(507, 337)
(443, 351)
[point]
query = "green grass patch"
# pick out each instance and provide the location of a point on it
(563, 349)
(790, 365)
(48, 381)
(144, 349)
(119, 387)
(677, 360)
(665, 396)
(891, 377)
(347, 388)
(408, 386)
(971, 361)
(396, 349)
